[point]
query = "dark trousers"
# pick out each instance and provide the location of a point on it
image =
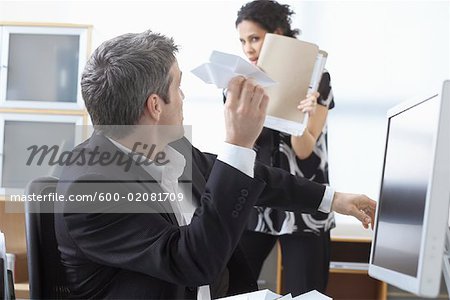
(306, 259)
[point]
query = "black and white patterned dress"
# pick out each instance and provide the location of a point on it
(274, 148)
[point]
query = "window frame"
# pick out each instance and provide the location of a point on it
(77, 120)
(7, 30)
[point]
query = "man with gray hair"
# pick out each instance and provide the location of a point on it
(164, 249)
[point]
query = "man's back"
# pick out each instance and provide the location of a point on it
(106, 254)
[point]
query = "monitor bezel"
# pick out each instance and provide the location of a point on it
(435, 222)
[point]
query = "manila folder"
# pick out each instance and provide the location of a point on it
(290, 62)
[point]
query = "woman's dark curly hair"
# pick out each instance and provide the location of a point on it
(269, 14)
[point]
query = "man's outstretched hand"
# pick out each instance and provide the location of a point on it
(360, 206)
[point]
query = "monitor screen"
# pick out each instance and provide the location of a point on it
(407, 169)
(412, 211)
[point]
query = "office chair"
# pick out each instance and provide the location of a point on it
(45, 271)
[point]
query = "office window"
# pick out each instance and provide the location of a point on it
(40, 97)
(41, 66)
(47, 136)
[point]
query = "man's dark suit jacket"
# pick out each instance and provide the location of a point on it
(147, 255)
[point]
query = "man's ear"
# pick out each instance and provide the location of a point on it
(154, 107)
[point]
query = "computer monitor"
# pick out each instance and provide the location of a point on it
(412, 212)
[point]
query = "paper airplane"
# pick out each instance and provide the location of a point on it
(223, 66)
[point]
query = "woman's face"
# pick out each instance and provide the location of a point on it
(251, 36)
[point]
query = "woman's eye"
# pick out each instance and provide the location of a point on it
(255, 39)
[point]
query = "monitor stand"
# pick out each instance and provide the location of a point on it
(446, 263)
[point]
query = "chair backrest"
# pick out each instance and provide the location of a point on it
(45, 271)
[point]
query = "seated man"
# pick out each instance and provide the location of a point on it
(160, 248)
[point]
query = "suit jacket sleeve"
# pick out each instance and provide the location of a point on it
(288, 192)
(282, 190)
(190, 255)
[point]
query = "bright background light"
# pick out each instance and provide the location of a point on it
(380, 54)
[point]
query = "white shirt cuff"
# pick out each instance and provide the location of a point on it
(238, 157)
(327, 200)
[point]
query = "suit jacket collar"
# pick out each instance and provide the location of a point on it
(132, 172)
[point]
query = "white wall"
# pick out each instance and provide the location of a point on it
(197, 26)
(380, 53)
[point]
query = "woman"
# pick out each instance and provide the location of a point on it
(304, 238)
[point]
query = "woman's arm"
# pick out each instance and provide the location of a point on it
(303, 145)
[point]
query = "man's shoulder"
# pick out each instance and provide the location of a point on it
(198, 159)
(97, 159)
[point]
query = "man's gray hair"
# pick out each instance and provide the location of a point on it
(121, 74)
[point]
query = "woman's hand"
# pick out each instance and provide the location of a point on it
(309, 104)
